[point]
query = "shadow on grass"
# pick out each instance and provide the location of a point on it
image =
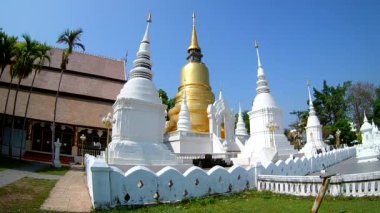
(50, 170)
(9, 163)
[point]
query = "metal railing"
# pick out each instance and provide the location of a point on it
(93, 152)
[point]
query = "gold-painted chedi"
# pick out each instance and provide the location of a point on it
(195, 80)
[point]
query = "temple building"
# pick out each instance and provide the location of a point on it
(88, 89)
(314, 139)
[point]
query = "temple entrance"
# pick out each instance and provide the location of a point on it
(42, 141)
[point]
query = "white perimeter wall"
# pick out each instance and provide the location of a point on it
(109, 186)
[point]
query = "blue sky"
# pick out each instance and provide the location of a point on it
(299, 40)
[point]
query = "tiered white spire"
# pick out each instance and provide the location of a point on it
(312, 119)
(374, 128)
(142, 64)
(220, 95)
(262, 83)
(366, 126)
(184, 122)
(240, 125)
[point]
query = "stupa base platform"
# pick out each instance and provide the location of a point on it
(140, 153)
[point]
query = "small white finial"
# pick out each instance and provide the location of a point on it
(365, 118)
(149, 17)
(220, 94)
(258, 55)
(239, 108)
(308, 88)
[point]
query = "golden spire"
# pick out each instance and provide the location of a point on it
(194, 40)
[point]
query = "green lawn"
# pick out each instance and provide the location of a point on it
(54, 171)
(25, 195)
(252, 201)
(7, 163)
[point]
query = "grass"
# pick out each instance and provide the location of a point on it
(7, 163)
(54, 171)
(25, 195)
(253, 201)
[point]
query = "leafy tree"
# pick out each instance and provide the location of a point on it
(71, 38)
(330, 103)
(361, 98)
(376, 111)
(346, 135)
(7, 46)
(25, 58)
(165, 100)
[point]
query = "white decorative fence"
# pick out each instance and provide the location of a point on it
(109, 186)
(139, 185)
(303, 166)
(356, 185)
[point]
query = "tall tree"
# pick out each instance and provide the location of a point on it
(72, 39)
(42, 56)
(376, 112)
(25, 57)
(361, 98)
(7, 46)
(330, 103)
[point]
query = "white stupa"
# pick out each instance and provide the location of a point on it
(139, 115)
(267, 139)
(240, 125)
(369, 150)
(366, 130)
(314, 139)
(184, 122)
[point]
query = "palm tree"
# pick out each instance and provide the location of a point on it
(42, 55)
(25, 57)
(72, 39)
(7, 44)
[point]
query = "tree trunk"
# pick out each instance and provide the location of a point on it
(13, 117)
(54, 117)
(5, 113)
(26, 110)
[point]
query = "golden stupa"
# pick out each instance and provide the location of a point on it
(195, 80)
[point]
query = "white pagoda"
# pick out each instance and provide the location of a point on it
(139, 117)
(314, 139)
(267, 140)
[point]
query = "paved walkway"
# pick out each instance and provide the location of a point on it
(352, 166)
(9, 176)
(69, 194)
